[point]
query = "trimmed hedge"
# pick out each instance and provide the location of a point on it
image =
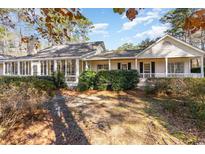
(109, 80)
(86, 80)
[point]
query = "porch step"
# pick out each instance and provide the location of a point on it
(142, 83)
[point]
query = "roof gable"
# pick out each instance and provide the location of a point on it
(169, 46)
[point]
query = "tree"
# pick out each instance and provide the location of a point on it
(146, 43)
(57, 25)
(142, 45)
(128, 46)
(184, 23)
(176, 18)
(195, 25)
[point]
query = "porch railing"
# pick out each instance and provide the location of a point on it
(170, 75)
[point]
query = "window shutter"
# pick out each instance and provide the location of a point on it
(129, 66)
(141, 67)
(119, 66)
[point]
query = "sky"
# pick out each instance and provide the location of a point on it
(115, 29)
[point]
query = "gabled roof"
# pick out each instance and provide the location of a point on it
(69, 50)
(117, 54)
(199, 51)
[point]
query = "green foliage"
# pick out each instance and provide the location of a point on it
(109, 80)
(35, 82)
(128, 46)
(176, 18)
(190, 91)
(86, 80)
(59, 79)
(142, 45)
(117, 80)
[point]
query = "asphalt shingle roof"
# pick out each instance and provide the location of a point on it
(3, 57)
(69, 50)
(116, 54)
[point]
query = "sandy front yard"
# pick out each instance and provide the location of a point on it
(94, 118)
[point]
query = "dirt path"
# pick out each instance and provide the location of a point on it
(116, 118)
(94, 118)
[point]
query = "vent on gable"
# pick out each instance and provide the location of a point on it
(166, 43)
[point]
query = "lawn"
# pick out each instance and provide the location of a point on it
(95, 117)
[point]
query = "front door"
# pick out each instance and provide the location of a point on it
(35, 70)
(147, 70)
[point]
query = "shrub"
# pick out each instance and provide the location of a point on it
(39, 83)
(21, 97)
(117, 80)
(191, 91)
(86, 80)
(108, 80)
(59, 79)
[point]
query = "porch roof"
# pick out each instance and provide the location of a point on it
(3, 57)
(74, 50)
(115, 54)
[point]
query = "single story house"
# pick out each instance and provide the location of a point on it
(167, 57)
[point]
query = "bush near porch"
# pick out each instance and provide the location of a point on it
(108, 80)
(190, 92)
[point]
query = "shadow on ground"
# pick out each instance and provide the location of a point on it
(65, 127)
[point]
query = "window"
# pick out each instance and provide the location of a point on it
(129, 66)
(124, 66)
(141, 67)
(147, 68)
(71, 67)
(176, 67)
(102, 67)
(119, 66)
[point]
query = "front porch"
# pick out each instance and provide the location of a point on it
(69, 67)
(179, 67)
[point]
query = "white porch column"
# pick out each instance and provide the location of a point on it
(31, 68)
(77, 70)
(190, 66)
(10, 68)
(136, 67)
(39, 68)
(86, 65)
(202, 66)
(47, 67)
(4, 70)
(109, 64)
(55, 65)
(66, 67)
(18, 68)
(24, 68)
(166, 66)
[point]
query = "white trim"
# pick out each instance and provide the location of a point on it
(202, 66)
(109, 64)
(166, 66)
(167, 35)
(136, 64)
(114, 58)
(77, 71)
(54, 58)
